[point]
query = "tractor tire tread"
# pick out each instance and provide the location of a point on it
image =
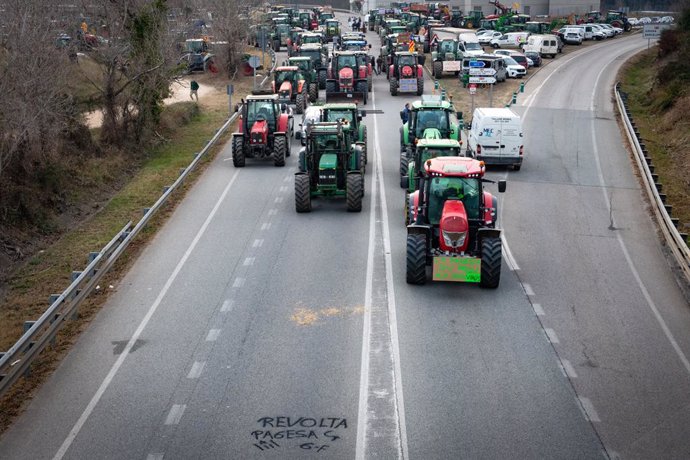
(302, 193)
(355, 192)
(491, 262)
(416, 259)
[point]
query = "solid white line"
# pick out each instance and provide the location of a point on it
(648, 298)
(512, 264)
(569, 369)
(213, 335)
(589, 410)
(196, 370)
(528, 289)
(551, 335)
(239, 282)
(248, 261)
(227, 306)
(175, 414)
(144, 322)
(538, 310)
(257, 243)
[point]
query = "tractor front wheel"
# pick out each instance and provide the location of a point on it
(279, 150)
(362, 88)
(403, 168)
(438, 69)
(330, 88)
(313, 92)
(276, 45)
(365, 150)
(322, 79)
(238, 158)
(393, 84)
(491, 263)
(302, 193)
(420, 86)
(355, 192)
(301, 103)
(416, 259)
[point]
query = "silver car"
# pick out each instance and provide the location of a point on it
(311, 115)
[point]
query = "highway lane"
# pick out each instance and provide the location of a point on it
(260, 318)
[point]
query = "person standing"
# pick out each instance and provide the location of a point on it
(405, 114)
(379, 65)
(194, 90)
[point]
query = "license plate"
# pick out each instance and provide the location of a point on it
(408, 85)
(349, 95)
(458, 269)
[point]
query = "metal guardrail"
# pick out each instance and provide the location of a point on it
(39, 334)
(674, 239)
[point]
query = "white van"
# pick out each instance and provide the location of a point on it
(495, 137)
(469, 44)
(511, 39)
(545, 45)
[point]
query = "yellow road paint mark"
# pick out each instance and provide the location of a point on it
(307, 316)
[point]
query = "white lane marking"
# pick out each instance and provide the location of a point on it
(239, 282)
(227, 306)
(364, 390)
(272, 212)
(551, 335)
(257, 243)
(648, 298)
(588, 409)
(283, 188)
(196, 370)
(279, 199)
(538, 310)
(528, 289)
(213, 335)
(142, 325)
(175, 414)
(248, 261)
(568, 368)
(155, 456)
(286, 178)
(265, 226)
(512, 264)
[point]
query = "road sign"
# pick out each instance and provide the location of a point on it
(652, 31)
(473, 88)
(230, 89)
(483, 80)
(254, 62)
(477, 63)
(477, 72)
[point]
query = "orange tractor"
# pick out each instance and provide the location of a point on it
(291, 87)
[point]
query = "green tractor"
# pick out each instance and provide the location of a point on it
(280, 36)
(430, 117)
(332, 27)
(347, 112)
(309, 72)
(410, 168)
(329, 166)
(319, 57)
(447, 57)
(471, 19)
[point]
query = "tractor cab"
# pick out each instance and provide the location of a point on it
(260, 115)
(348, 113)
(332, 29)
(427, 149)
(452, 224)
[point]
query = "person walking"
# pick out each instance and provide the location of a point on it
(193, 90)
(405, 114)
(379, 65)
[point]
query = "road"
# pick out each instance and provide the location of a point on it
(245, 330)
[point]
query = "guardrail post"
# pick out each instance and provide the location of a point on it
(514, 100)
(663, 197)
(522, 87)
(669, 208)
(27, 326)
(682, 235)
(166, 188)
(91, 258)
(145, 210)
(675, 221)
(658, 186)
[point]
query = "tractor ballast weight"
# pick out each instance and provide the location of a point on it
(262, 132)
(347, 79)
(453, 225)
(329, 166)
(406, 74)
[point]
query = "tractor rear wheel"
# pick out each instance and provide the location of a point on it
(427, 46)
(416, 259)
(276, 45)
(355, 192)
(300, 103)
(491, 263)
(403, 168)
(330, 88)
(362, 88)
(238, 158)
(302, 193)
(322, 79)
(438, 69)
(393, 85)
(279, 150)
(313, 92)
(420, 86)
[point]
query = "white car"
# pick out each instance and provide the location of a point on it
(311, 115)
(667, 20)
(644, 20)
(608, 31)
(633, 21)
(486, 38)
(514, 69)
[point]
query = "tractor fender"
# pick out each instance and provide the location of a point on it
(487, 233)
(361, 131)
(490, 208)
(239, 126)
(415, 229)
(405, 135)
(420, 72)
(300, 85)
(283, 123)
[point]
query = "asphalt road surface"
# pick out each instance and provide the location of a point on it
(246, 330)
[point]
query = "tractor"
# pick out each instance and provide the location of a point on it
(329, 166)
(364, 63)
(347, 77)
(406, 74)
(319, 57)
(290, 85)
(348, 112)
(280, 35)
(332, 27)
(426, 149)
(306, 66)
(447, 57)
(431, 117)
(471, 19)
(453, 224)
(615, 18)
(262, 132)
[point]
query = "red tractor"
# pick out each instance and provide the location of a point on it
(347, 77)
(364, 63)
(290, 85)
(406, 74)
(262, 132)
(452, 224)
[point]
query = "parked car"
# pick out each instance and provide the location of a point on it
(486, 38)
(633, 21)
(573, 36)
(503, 52)
(514, 69)
(534, 57)
(520, 59)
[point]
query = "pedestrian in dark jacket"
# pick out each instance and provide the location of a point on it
(405, 114)
(379, 65)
